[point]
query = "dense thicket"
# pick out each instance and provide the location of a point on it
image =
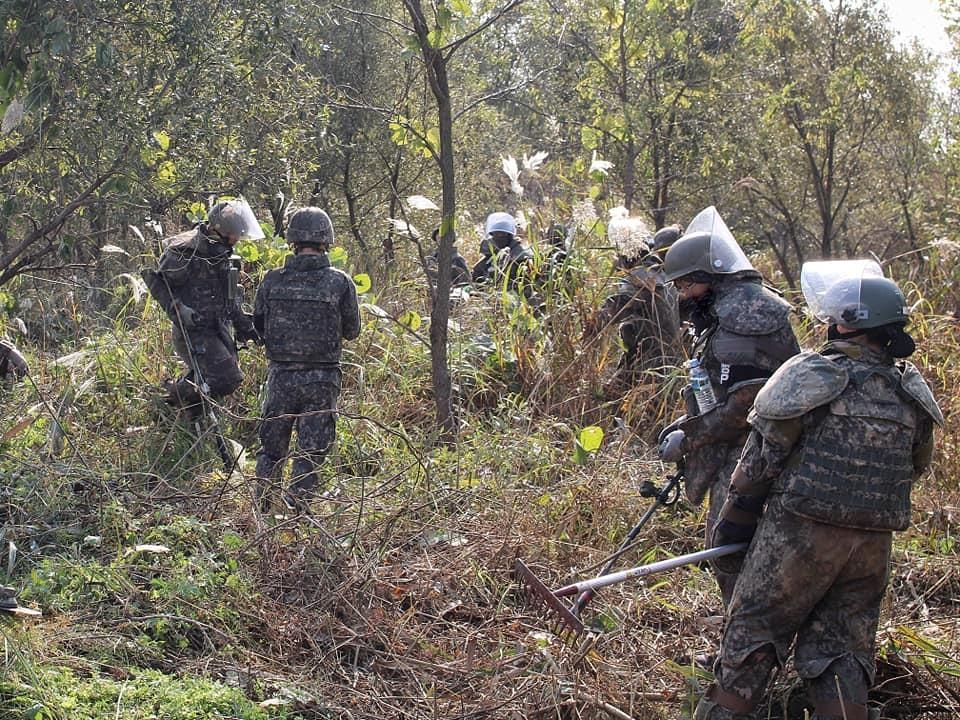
(814, 131)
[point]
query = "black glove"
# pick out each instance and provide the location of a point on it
(738, 519)
(249, 333)
(189, 318)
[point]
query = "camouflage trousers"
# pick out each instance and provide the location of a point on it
(217, 360)
(819, 584)
(305, 399)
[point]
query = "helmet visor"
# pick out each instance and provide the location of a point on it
(724, 256)
(819, 277)
(248, 221)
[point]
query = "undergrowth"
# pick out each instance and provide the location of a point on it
(165, 596)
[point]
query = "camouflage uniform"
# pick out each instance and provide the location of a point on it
(743, 335)
(459, 272)
(303, 310)
(646, 310)
(838, 439)
(11, 361)
(199, 272)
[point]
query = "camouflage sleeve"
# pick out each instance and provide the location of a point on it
(350, 313)
(922, 444)
(175, 268)
(260, 307)
(726, 423)
(763, 458)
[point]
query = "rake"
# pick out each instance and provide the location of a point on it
(548, 601)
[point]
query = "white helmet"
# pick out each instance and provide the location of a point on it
(501, 222)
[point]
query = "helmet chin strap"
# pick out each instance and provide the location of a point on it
(834, 334)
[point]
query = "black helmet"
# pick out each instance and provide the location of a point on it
(708, 247)
(664, 238)
(310, 226)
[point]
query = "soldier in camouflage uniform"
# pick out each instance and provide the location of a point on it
(304, 311)
(12, 362)
(742, 334)
(506, 260)
(196, 284)
(645, 307)
(838, 438)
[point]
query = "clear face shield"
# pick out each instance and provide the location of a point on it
(832, 288)
(251, 226)
(725, 256)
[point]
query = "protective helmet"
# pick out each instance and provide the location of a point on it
(310, 226)
(708, 247)
(501, 222)
(664, 238)
(818, 276)
(234, 218)
(864, 302)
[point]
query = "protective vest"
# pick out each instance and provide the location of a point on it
(854, 464)
(749, 339)
(301, 311)
(199, 274)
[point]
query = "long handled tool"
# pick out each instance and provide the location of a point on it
(667, 495)
(548, 601)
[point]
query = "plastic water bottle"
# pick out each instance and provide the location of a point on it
(700, 384)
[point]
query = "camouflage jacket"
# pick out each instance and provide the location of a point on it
(747, 338)
(202, 274)
(841, 434)
(304, 310)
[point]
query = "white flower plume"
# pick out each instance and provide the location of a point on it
(630, 235)
(404, 228)
(532, 163)
(600, 166)
(421, 202)
(512, 171)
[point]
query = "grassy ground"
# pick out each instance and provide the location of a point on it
(165, 596)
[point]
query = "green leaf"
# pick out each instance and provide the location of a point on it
(363, 282)
(411, 319)
(590, 438)
(432, 146)
(163, 140)
(248, 251)
(337, 256)
(167, 172)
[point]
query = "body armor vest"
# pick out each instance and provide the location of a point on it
(302, 322)
(749, 338)
(854, 466)
(209, 278)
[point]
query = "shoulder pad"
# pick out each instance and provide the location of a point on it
(802, 383)
(916, 387)
(185, 240)
(747, 308)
